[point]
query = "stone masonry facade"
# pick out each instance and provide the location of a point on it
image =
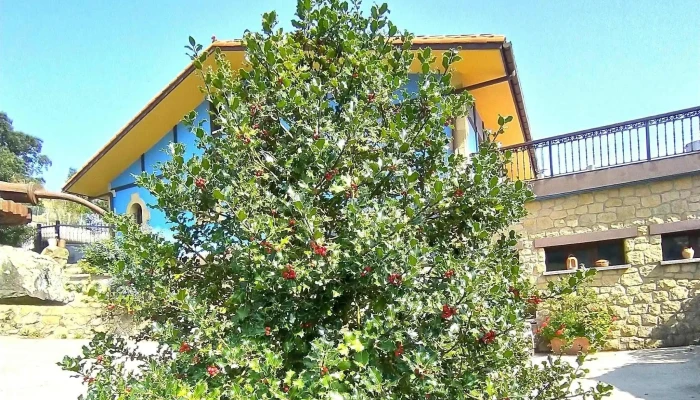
(658, 303)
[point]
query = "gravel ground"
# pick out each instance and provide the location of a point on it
(28, 371)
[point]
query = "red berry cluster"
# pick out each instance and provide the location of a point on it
(259, 173)
(450, 273)
(395, 279)
(317, 135)
(399, 350)
(292, 222)
(185, 347)
(514, 291)
(458, 193)
(268, 331)
(371, 97)
(288, 273)
(324, 370)
(488, 337)
(366, 271)
(100, 359)
(244, 139)
(447, 311)
(319, 250)
(253, 109)
(111, 307)
(392, 168)
(212, 370)
(449, 121)
(200, 183)
(353, 190)
(420, 374)
(534, 299)
(331, 174)
(306, 325)
(267, 246)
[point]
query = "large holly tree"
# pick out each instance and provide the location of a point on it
(324, 244)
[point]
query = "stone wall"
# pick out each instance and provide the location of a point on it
(657, 302)
(74, 320)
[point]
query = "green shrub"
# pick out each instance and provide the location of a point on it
(579, 314)
(337, 254)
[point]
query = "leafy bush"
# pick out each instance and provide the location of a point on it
(101, 256)
(579, 314)
(324, 247)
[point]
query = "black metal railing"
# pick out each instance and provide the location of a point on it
(643, 139)
(76, 237)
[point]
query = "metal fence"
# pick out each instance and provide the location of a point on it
(76, 237)
(643, 139)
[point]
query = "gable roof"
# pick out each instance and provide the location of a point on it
(487, 70)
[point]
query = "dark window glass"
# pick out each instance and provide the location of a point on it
(137, 213)
(585, 253)
(672, 245)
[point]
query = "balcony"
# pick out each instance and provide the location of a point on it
(638, 141)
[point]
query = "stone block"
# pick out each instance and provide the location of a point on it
(50, 320)
(558, 215)
(642, 191)
(635, 257)
(631, 201)
(625, 212)
(628, 330)
(580, 210)
(649, 320)
(613, 203)
(595, 208)
(670, 307)
(679, 206)
(607, 217)
(678, 293)
(612, 345)
(669, 196)
(631, 278)
(570, 203)
(636, 309)
(659, 297)
(626, 191)
(689, 268)
(685, 183)
(623, 301)
(621, 312)
(666, 284)
(694, 284)
(544, 223)
(662, 209)
(644, 331)
(643, 213)
(585, 198)
(635, 343)
(684, 275)
(645, 298)
(651, 201)
(587, 219)
(634, 290)
(648, 287)
(672, 268)
(661, 186)
(634, 320)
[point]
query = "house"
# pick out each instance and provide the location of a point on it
(624, 199)
(487, 70)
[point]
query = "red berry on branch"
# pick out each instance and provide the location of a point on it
(259, 173)
(288, 272)
(268, 331)
(316, 135)
(185, 347)
(450, 273)
(324, 370)
(514, 291)
(200, 183)
(212, 370)
(399, 350)
(488, 337)
(458, 193)
(395, 279)
(292, 222)
(534, 299)
(100, 359)
(285, 389)
(370, 97)
(111, 307)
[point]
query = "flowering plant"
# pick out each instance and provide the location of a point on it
(578, 314)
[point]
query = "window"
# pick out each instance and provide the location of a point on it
(586, 254)
(672, 244)
(136, 211)
(472, 138)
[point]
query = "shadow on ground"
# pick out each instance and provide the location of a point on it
(658, 374)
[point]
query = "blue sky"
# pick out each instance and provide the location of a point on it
(74, 72)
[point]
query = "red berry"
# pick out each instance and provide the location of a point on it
(355, 75)
(514, 291)
(100, 358)
(534, 299)
(370, 97)
(111, 307)
(448, 312)
(450, 273)
(292, 222)
(458, 193)
(316, 135)
(185, 347)
(200, 183)
(268, 331)
(399, 350)
(288, 273)
(324, 370)
(395, 279)
(488, 337)
(259, 173)
(212, 370)
(285, 389)
(319, 250)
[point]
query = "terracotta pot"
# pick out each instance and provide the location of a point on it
(688, 252)
(571, 262)
(579, 344)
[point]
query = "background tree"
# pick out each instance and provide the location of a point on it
(324, 246)
(68, 212)
(20, 161)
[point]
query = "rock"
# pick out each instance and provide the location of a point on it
(25, 274)
(58, 254)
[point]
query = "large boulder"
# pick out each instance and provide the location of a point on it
(26, 276)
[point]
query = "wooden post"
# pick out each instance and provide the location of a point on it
(38, 240)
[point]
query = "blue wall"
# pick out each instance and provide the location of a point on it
(124, 186)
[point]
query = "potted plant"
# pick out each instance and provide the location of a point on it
(578, 322)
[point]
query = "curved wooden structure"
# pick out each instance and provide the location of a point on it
(12, 213)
